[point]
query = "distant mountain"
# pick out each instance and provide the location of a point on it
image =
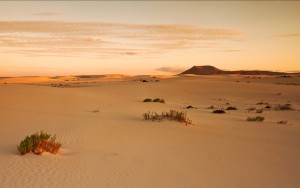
(209, 70)
(203, 70)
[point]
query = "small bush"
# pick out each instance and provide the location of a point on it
(282, 122)
(231, 108)
(257, 118)
(284, 107)
(171, 115)
(162, 101)
(38, 143)
(268, 107)
(147, 100)
(156, 100)
(262, 103)
(218, 112)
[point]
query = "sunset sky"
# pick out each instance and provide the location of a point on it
(143, 37)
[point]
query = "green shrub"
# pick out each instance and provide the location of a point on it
(38, 143)
(147, 100)
(256, 118)
(231, 108)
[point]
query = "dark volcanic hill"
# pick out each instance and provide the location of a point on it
(203, 70)
(209, 70)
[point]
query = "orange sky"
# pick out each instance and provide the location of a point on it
(140, 37)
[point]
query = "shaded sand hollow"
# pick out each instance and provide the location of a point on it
(106, 143)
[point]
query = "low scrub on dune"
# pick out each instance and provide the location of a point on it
(256, 118)
(154, 100)
(147, 100)
(162, 101)
(170, 115)
(231, 108)
(283, 107)
(218, 112)
(282, 122)
(39, 143)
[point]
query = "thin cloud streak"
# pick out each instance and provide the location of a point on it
(97, 39)
(171, 69)
(46, 14)
(290, 35)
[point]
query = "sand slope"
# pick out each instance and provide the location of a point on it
(116, 148)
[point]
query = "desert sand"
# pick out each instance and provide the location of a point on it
(106, 142)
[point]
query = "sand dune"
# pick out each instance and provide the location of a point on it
(115, 147)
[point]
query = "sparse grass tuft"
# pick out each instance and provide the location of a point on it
(147, 100)
(231, 108)
(38, 143)
(218, 112)
(256, 118)
(171, 115)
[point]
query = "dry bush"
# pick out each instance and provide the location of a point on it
(162, 101)
(147, 100)
(262, 103)
(49, 146)
(156, 100)
(171, 115)
(188, 107)
(39, 143)
(284, 107)
(268, 107)
(256, 118)
(231, 108)
(218, 112)
(282, 122)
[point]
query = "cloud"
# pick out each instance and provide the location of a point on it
(46, 14)
(172, 69)
(41, 38)
(231, 50)
(290, 35)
